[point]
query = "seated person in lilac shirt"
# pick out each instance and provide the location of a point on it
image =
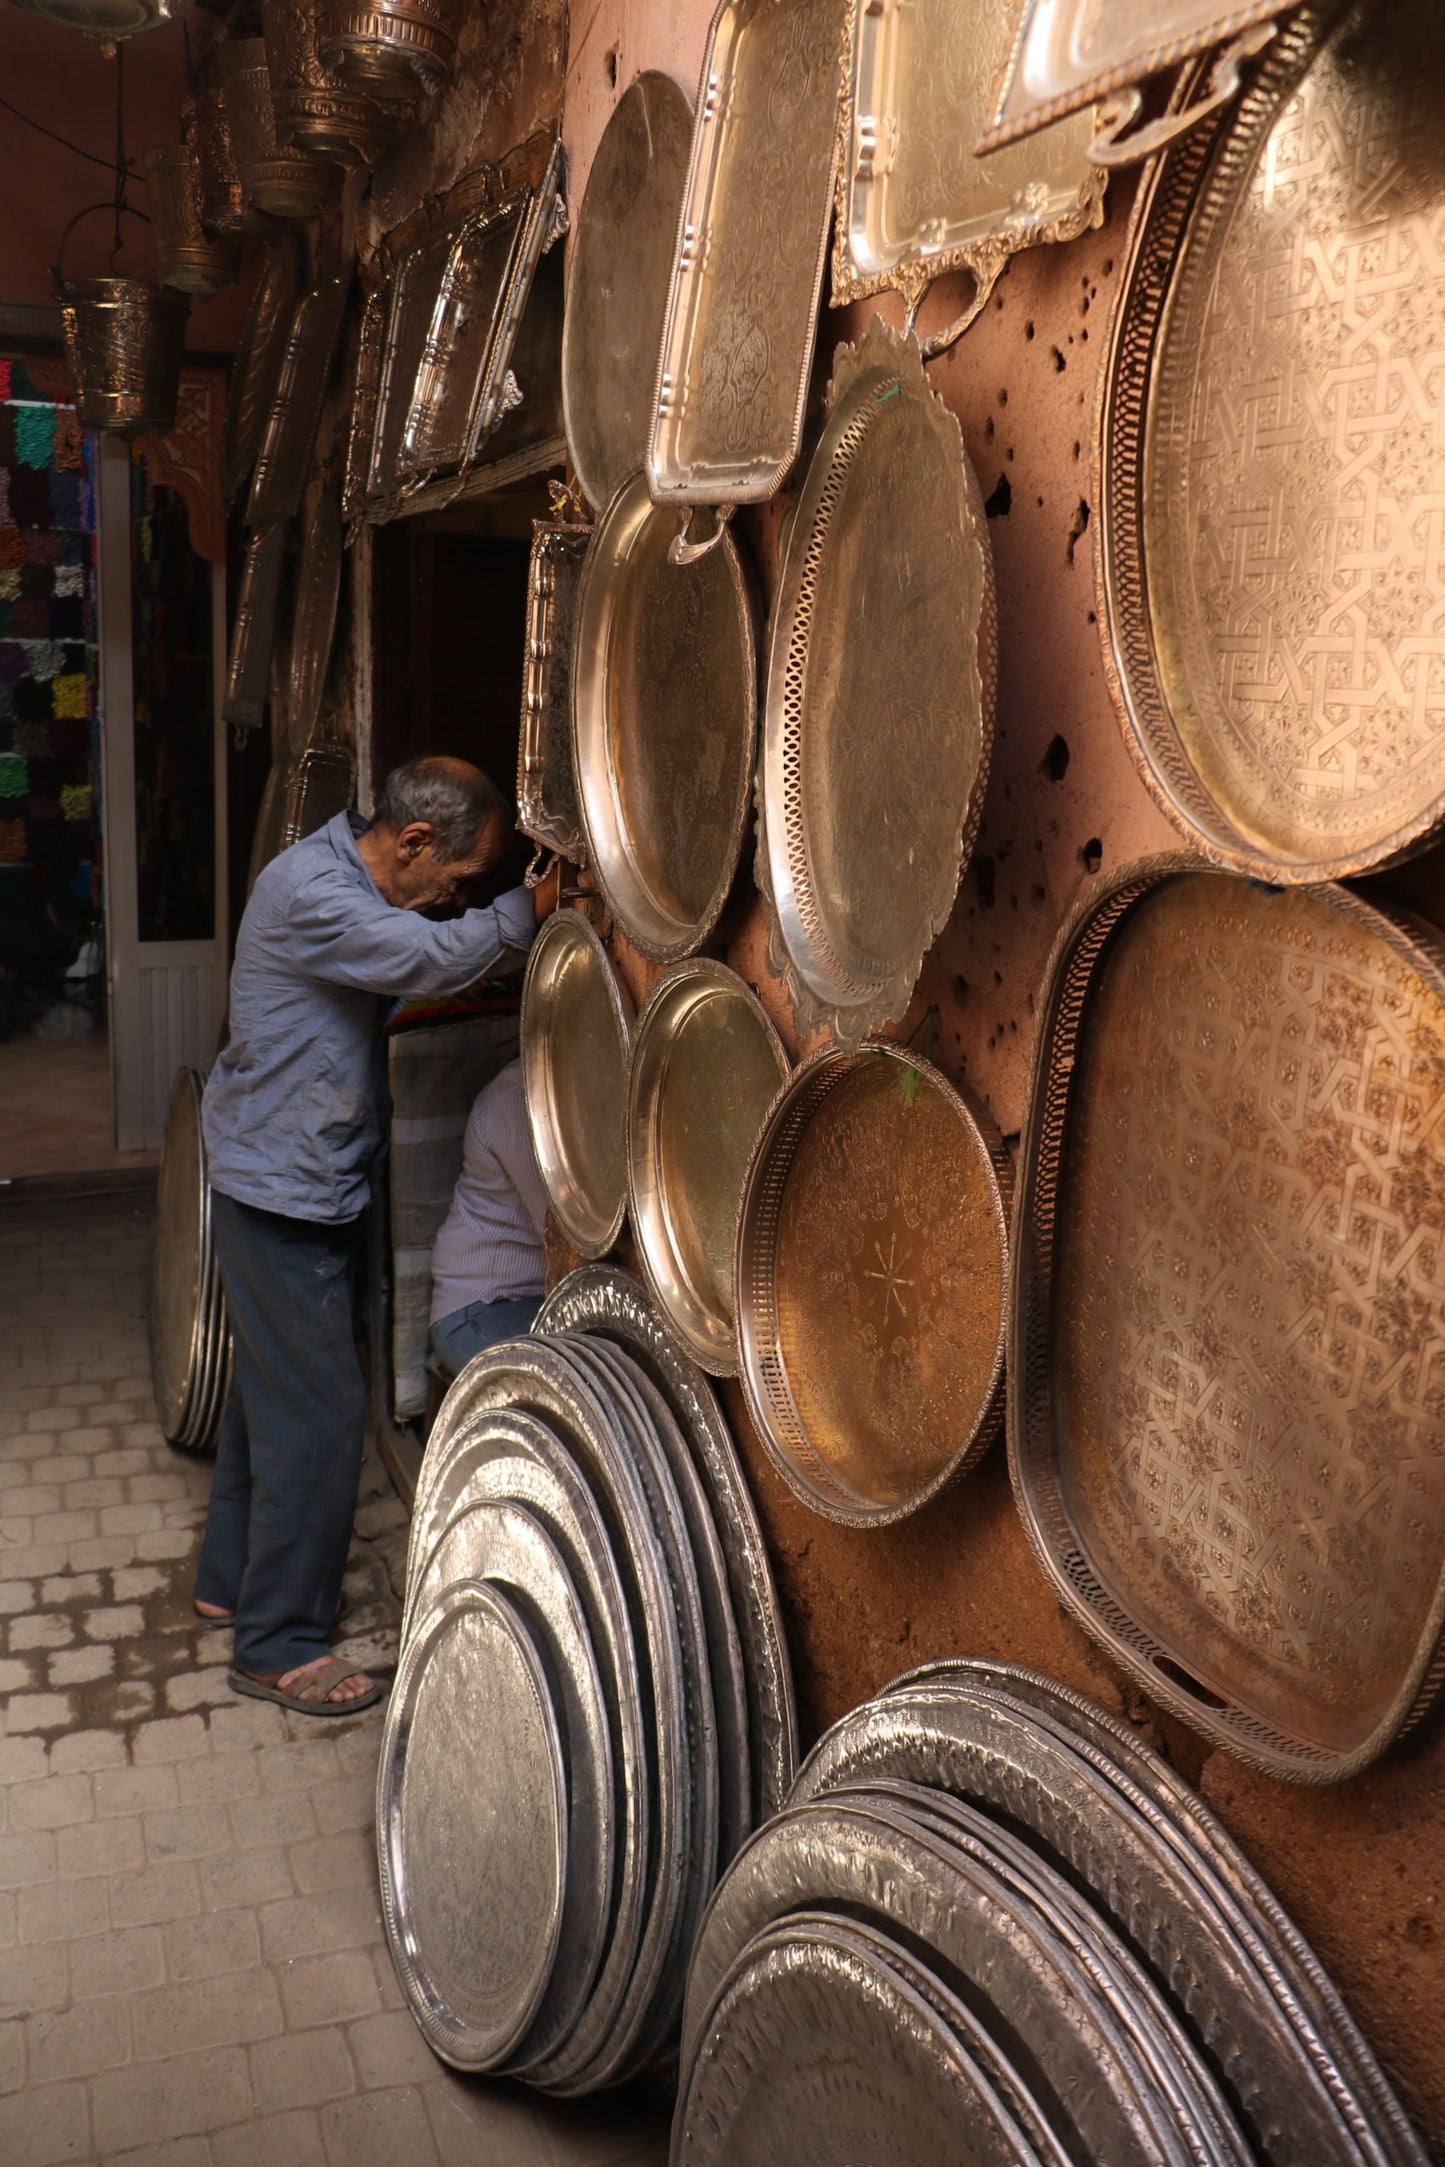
(487, 1265)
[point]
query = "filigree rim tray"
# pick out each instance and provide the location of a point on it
(1033, 1441)
(760, 1363)
(872, 109)
(1180, 188)
(705, 1331)
(823, 992)
(617, 852)
(547, 810)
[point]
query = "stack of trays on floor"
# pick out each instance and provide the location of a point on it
(593, 1704)
(190, 1337)
(991, 1926)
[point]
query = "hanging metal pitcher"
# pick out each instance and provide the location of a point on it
(123, 340)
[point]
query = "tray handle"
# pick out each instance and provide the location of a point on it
(682, 550)
(1112, 149)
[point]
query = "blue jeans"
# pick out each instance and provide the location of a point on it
(288, 1459)
(456, 1338)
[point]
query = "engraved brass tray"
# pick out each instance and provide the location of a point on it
(913, 200)
(1270, 428)
(664, 723)
(189, 1334)
(1064, 54)
(472, 1795)
(737, 344)
(617, 283)
(706, 1066)
(248, 669)
(879, 716)
(576, 1041)
(283, 463)
(258, 362)
(1223, 1429)
(547, 808)
(872, 1252)
(313, 623)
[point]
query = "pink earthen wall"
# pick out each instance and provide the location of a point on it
(1357, 1865)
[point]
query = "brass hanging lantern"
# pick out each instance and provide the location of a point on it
(207, 131)
(391, 49)
(186, 256)
(314, 111)
(275, 177)
(124, 339)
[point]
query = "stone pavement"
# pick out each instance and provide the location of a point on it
(192, 1965)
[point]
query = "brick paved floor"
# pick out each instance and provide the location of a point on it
(192, 1967)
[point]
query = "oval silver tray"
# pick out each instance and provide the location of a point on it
(576, 1043)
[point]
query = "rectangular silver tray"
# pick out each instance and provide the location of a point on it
(283, 463)
(547, 809)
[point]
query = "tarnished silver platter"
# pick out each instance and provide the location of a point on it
(412, 296)
(190, 1337)
(869, 1282)
(535, 1377)
(248, 667)
(737, 343)
(1210, 1472)
(472, 1793)
(258, 360)
(1061, 55)
(501, 1543)
(1274, 619)
(547, 808)
(313, 622)
(610, 1303)
(365, 395)
(817, 2049)
(664, 723)
(283, 462)
(617, 283)
(1172, 1880)
(467, 307)
(576, 1045)
(706, 1066)
(913, 200)
(870, 1860)
(879, 714)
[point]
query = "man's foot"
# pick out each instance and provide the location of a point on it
(325, 1687)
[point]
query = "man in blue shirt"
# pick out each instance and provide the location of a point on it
(336, 929)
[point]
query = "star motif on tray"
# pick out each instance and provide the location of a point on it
(890, 1275)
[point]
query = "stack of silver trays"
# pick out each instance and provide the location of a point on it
(992, 1926)
(190, 1338)
(593, 1704)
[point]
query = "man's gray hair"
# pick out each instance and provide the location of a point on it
(455, 801)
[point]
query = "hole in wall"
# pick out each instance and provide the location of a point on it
(997, 505)
(1092, 854)
(1055, 763)
(609, 61)
(1059, 362)
(985, 872)
(1077, 531)
(1182, 1678)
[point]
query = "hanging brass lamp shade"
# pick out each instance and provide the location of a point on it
(275, 177)
(391, 50)
(186, 255)
(314, 112)
(207, 130)
(123, 341)
(108, 19)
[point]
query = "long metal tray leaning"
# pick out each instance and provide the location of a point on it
(547, 809)
(283, 463)
(913, 200)
(737, 344)
(1062, 55)
(1225, 1442)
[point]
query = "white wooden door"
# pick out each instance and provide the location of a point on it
(166, 997)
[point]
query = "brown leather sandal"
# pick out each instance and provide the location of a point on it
(321, 1679)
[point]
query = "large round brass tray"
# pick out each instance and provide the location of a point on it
(706, 1066)
(1225, 1437)
(879, 715)
(190, 1338)
(664, 721)
(617, 283)
(576, 1039)
(1271, 433)
(869, 1274)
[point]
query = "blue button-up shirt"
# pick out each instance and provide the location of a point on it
(291, 1113)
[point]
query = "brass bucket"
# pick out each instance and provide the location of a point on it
(391, 49)
(313, 111)
(123, 340)
(288, 183)
(186, 256)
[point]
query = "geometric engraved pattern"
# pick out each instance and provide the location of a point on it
(1249, 1304)
(1294, 477)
